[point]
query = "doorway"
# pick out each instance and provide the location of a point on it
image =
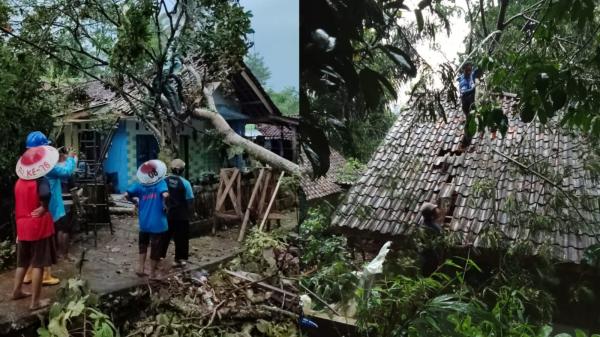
(146, 148)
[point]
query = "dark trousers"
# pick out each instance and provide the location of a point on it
(467, 101)
(179, 231)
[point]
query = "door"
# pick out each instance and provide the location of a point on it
(146, 148)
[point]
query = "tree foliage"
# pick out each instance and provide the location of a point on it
(549, 59)
(25, 105)
(354, 55)
(256, 63)
(141, 49)
(285, 99)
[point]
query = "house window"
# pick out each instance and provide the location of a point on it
(146, 149)
(90, 144)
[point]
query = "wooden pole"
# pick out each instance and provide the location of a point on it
(262, 224)
(249, 208)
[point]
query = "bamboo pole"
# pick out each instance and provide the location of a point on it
(262, 224)
(249, 208)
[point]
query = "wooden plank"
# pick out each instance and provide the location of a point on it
(249, 208)
(276, 216)
(262, 284)
(227, 182)
(265, 187)
(239, 194)
(230, 192)
(330, 317)
(219, 189)
(262, 224)
(226, 216)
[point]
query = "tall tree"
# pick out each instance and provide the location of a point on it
(286, 100)
(25, 105)
(157, 55)
(256, 63)
(353, 56)
(548, 53)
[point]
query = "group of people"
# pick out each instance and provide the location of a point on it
(165, 204)
(42, 228)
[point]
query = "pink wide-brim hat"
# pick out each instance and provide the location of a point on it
(36, 162)
(151, 172)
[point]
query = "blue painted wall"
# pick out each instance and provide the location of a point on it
(116, 160)
(121, 156)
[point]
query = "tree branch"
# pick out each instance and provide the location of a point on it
(501, 15)
(531, 8)
(470, 14)
(492, 34)
(482, 11)
(257, 151)
(544, 178)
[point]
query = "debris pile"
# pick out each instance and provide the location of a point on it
(119, 205)
(254, 295)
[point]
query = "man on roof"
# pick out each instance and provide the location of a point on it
(431, 215)
(466, 85)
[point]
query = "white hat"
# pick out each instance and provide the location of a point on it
(36, 162)
(177, 164)
(428, 207)
(151, 172)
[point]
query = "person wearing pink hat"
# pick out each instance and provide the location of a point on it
(35, 228)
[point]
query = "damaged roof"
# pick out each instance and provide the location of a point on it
(276, 131)
(325, 185)
(253, 99)
(488, 198)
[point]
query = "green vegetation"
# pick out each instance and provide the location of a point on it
(77, 312)
(7, 254)
(458, 298)
(286, 99)
(350, 173)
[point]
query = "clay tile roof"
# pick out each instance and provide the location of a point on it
(326, 185)
(276, 132)
(419, 161)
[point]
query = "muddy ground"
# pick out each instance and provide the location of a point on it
(109, 267)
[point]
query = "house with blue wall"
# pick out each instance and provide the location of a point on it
(113, 144)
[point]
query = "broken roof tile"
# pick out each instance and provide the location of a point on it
(427, 165)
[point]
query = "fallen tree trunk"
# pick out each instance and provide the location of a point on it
(256, 151)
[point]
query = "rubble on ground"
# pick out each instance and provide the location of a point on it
(119, 205)
(253, 295)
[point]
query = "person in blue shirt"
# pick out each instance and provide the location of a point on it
(180, 207)
(61, 172)
(466, 84)
(151, 201)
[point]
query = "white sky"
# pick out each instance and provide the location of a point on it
(449, 46)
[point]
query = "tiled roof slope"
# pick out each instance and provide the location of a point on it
(276, 131)
(325, 185)
(419, 161)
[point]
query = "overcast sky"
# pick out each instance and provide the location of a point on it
(446, 50)
(276, 39)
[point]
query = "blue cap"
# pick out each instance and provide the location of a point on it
(36, 138)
